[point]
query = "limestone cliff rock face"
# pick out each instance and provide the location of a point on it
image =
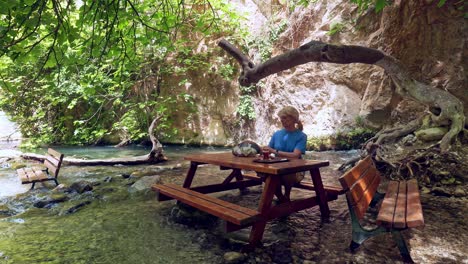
(429, 40)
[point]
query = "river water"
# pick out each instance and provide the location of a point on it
(121, 226)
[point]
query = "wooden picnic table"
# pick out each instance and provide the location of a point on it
(238, 217)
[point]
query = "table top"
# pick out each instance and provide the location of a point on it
(227, 159)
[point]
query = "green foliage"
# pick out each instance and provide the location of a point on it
(335, 28)
(226, 70)
(73, 74)
(379, 5)
(264, 45)
(245, 108)
(352, 139)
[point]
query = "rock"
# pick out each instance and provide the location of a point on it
(440, 191)
(234, 257)
(16, 166)
(75, 208)
(50, 201)
(146, 172)
(448, 181)
(145, 183)
(431, 134)
(459, 192)
(108, 179)
(5, 211)
(61, 188)
(81, 186)
(187, 215)
(125, 175)
(58, 197)
(425, 190)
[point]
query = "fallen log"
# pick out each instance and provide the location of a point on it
(138, 160)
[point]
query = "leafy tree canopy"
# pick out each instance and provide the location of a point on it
(71, 71)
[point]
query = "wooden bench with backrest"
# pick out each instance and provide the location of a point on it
(52, 164)
(400, 209)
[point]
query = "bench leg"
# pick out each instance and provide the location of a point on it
(32, 187)
(360, 235)
(378, 196)
(402, 246)
(56, 182)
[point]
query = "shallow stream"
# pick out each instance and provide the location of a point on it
(121, 226)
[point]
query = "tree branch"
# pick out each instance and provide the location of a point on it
(451, 108)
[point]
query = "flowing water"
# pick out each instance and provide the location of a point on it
(117, 225)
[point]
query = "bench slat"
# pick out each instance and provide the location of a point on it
(362, 192)
(399, 219)
(222, 209)
(31, 175)
(368, 183)
(54, 153)
(351, 176)
(387, 209)
(53, 171)
(23, 176)
(414, 215)
(53, 160)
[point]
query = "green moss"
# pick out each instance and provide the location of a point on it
(352, 139)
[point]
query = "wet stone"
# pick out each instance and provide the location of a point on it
(145, 183)
(234, 257)
(81, 186)
(74, 208)
(5, 211)
(62, 188)
(108, 179)
(186, 215)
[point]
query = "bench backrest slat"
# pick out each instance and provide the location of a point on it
(350, 177)
(361, 183)
(53, 162)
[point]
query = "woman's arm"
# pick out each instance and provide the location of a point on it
(296, 154)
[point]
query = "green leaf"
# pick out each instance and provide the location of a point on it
(380, 5)
(441, 3)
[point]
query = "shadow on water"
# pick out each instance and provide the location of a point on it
(118, 225)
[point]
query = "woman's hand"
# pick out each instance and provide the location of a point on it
(269, 149)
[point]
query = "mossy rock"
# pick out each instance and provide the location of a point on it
(431, 134)
(16, 166)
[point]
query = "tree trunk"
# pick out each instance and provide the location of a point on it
(445, 108)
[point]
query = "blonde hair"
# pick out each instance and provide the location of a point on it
(292, 112)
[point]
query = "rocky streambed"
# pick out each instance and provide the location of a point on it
(110, 215)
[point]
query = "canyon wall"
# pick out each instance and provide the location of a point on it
(428, 40)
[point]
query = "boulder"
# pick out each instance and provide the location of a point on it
(145, 183)
(81, 186)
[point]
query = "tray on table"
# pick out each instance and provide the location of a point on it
(272, 160)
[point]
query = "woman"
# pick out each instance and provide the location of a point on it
(289, 142)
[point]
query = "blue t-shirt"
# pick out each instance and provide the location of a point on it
(287, 141)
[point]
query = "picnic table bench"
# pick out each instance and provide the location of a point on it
(400, 208)
(52, 164)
